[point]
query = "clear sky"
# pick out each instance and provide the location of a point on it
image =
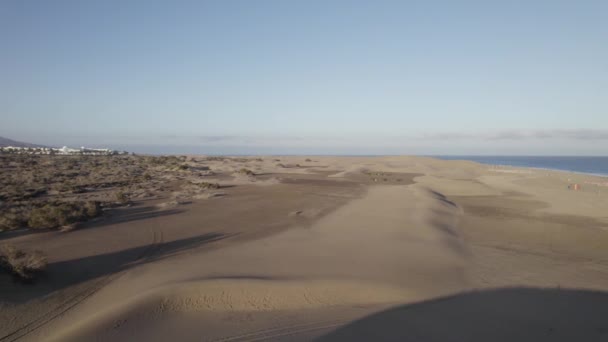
(319, 77)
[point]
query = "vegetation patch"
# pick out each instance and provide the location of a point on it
(122, 197)
(13, 218)
(21, 264)
(247, 172)
(54, 215)
(207, 185)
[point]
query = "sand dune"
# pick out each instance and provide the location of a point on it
(351, 257)
(323, 252)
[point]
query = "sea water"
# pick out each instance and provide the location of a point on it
(589, 165)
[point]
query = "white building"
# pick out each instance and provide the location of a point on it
(60, 151)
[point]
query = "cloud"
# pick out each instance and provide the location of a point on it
(564, 134)
(447, 136)
(233, 140)
(578, 134)
(219, 138)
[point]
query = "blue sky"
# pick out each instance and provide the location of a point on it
(318, 77)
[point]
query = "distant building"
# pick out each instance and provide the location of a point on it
(61, 151)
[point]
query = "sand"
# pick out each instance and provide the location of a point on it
(337, 248)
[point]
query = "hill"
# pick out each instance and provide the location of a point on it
(9, 142)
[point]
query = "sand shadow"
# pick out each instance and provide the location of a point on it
(227, 186)
(129, 214)
(10, 234)
(114, 216)
(60, 275)
(443, 198)
(510, 314)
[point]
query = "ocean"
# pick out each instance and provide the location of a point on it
(588, 165)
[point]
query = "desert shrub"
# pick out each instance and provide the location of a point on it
(64, 186)
(34, 192)
(122, 197)
(207, 185)
(12, 218)
(247, 172)
(92, 209)
(21, 264)
(183, 167)
(308, 160)
(19, 192)
(53, 215)
(163, 160)
(215, 158)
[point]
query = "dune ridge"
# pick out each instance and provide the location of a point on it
(333, 276)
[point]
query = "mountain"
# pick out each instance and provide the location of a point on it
(9, 142)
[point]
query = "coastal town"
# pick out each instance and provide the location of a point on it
(60, 151)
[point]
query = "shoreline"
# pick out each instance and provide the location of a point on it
(602, 175)
(548, 169)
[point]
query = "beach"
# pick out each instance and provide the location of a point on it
(331, 248)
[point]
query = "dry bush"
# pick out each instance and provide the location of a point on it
(21, 264)
(92, 209)
(12, 218)
(215, 158)
(247, 172)
(54, 215)
(207, 185)
(122, 197)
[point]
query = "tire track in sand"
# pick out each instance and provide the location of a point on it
(81, 296)
(265, 334)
